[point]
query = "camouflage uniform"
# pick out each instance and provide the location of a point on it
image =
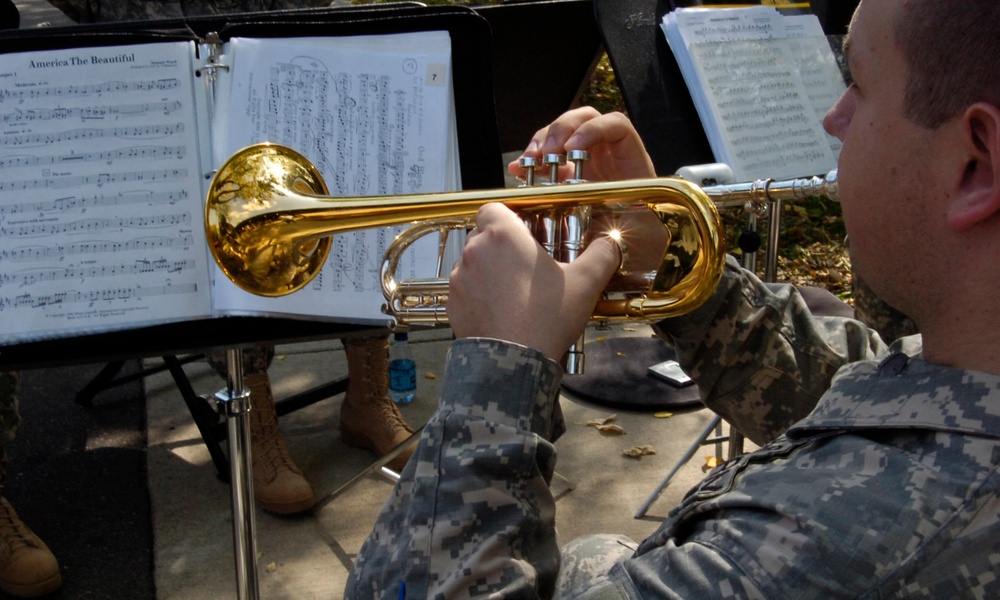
(889, 488)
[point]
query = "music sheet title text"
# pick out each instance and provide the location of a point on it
(82, 61)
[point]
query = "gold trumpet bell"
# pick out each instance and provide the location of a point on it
(256, 245)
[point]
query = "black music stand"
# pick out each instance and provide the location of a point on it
(544, 52)
(480, 166)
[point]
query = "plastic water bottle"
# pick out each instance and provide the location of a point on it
(402, 370)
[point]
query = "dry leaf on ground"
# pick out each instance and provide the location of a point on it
(639, 451)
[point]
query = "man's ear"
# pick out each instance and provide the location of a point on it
(978, 196)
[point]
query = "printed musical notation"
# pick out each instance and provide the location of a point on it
(19, 116)
(105, 161)
(84, 273)
(82, 203)
(109, 156)
(90, 297)
(365, 112)
(99, 228)
(761, 83)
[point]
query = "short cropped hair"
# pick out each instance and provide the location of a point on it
(952, 53)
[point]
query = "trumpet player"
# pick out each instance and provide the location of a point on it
(877, 475)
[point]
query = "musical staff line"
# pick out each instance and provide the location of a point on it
(33, 276)
(91, 296)
(130, 153)
(41, 252)
(91, 133)
(98, 179)
(90, 113)
(97, 201)
(96, 225)
(91, 89)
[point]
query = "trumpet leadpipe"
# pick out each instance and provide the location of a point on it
(770, 190)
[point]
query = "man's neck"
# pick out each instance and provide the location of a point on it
(977, 350)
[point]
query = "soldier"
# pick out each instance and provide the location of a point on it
(877, 474)
(27, 566)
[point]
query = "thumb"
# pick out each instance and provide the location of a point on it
(590, 272)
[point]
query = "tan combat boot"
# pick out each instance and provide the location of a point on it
(368, 417)
(278, 485)
(27, 566)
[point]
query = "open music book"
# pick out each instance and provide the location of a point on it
(106, 154)
(761, 82)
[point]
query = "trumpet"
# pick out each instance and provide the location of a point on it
(270, 220)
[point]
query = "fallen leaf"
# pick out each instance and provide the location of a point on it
(611, 429)
(601, 421)
(430, 375)
(639, 451)
(711, 462)
(272, 567)
(663, 414)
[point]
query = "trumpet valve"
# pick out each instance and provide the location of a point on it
(528, 164)
(553, 162)
(578, 158)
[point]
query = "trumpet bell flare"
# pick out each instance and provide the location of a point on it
(249, 240)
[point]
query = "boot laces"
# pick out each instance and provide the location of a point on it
(14, 534)
(270, 451)
(267, 446)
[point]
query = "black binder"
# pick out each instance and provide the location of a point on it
(479, 154)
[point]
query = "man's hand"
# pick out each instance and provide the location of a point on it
(616, 150)
(506, 286)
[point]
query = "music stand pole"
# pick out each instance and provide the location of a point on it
(234, 403)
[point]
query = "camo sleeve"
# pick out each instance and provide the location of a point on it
(472, 514)
(760, 358)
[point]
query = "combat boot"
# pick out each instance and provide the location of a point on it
(27, 566)
(369, 418)
(278, 485)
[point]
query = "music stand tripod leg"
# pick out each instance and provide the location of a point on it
(683, 461)
(234, 403)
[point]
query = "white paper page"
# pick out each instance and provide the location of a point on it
(753, 88)
(100, 191)
(818, 67)
(375, 115)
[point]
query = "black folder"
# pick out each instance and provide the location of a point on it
(479, 154)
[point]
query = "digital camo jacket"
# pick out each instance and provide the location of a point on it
(888, 489)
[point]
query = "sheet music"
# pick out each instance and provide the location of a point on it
(376, 117)
(100, 191)
(761, 83)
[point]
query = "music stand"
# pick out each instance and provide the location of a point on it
(480, 166)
